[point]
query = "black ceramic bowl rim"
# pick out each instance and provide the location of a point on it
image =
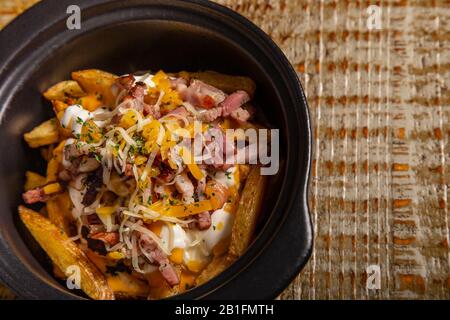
(281, 249)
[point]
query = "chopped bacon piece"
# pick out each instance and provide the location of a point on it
(217, 192)
(185, 187)
(169, 273)
(177, 82)
(203, 220)
(129, 170)
(181, 111)
(233, 102)
(158, 256)
(35, 195)
(210, 115)
(240, 115)
(208, 102)
(110, 238)
(125, 82)
(137, 91)
(197, 91)
(153, 110)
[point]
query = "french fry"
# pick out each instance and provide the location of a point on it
(247, 213)
(44, 134)
(90, 102)
(33, 180)
(121, 283)
(217, 265)
(224, 82)
(65, 253)
(96, 82)
(54, 162)
(59, 106)
(59, 212)
(63, 90)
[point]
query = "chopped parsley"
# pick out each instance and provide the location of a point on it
(80, 121)
(98, 157)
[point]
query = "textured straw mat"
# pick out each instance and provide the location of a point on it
(380, 104)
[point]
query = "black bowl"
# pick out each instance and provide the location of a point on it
(124, 36)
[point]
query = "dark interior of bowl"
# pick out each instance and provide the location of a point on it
(144, 42)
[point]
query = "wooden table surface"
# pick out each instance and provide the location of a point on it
(380, 104)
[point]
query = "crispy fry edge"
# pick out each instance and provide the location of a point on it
(64, 253)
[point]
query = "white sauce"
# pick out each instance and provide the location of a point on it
(226, 177)
(74, 117)
(194, 250)
(179, 240)
(220, 229)
(147, 79)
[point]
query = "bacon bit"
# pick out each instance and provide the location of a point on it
(110, 238)
(210, 115)
(234, 101)
(155, 253)
(167, 173)
(240, 115)
(35, 195)
(217, 193)
(203, 220)
(129, 170)
(137, 91)
(125, 82)
(169, 273)
(208, 102)
(181, 111)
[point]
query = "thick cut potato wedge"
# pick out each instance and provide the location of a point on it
(64, 89)
(65, 253)
(44, 134)
(59, 212)
(96, 82)
(224, 82)
(33, 180)
(54, 162)
(247, 213)
(217, 265)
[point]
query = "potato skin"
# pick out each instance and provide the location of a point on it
(59, 212)
(217, 265)
(247, 213)
(44, 134)
(63, 90)
(33, 180)
(64, 253)
(96, 82)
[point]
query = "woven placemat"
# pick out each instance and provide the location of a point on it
(380, 105)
